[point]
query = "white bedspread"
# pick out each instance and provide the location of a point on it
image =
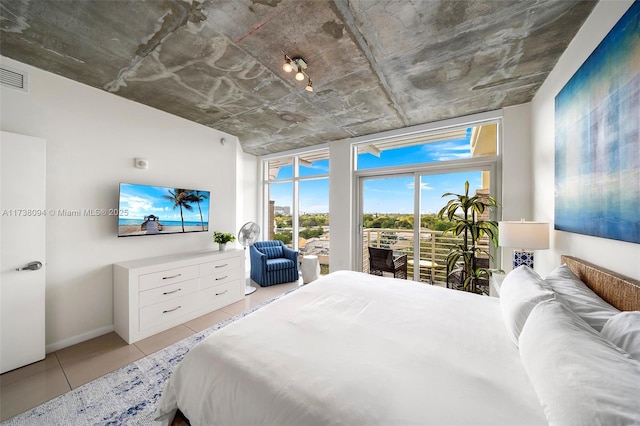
(356, 349)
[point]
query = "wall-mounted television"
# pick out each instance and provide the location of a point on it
(156, 210)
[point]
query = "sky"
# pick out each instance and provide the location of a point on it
(386, 195)
(142, 200)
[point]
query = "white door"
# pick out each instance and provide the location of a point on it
(22, 250)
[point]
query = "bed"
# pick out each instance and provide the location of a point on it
(357, 349)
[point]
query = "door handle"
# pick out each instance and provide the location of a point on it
(31, 266)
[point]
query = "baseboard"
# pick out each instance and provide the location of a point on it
(56, 346)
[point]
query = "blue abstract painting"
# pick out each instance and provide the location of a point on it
(597, 153)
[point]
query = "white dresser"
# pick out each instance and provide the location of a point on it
(154, 294)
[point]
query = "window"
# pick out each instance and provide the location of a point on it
(449, 145)
(297, 195)
(401, 183)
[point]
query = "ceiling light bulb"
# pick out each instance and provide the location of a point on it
(287, 66)
(299, 75)
(309, 87)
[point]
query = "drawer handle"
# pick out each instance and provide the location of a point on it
(222, 278)
(218, 294)
(221, 266)
(171, 292)
(173, 276)
(171, 310)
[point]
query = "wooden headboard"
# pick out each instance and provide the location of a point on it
(618, 290)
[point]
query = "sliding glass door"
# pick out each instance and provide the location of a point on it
(399, 213)
(387, 219)
(401, 182)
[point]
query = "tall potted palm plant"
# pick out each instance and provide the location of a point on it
(464, 212)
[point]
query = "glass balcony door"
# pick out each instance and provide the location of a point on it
(387, 218)
(399, 212)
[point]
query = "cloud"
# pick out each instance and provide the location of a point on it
(424, 186)
(448, 151)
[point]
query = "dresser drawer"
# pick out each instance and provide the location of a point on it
(168, 292)
(218, 296)
(219, 278)
(219, 267)
(159, 279)
(168, 311)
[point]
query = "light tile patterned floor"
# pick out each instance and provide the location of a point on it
(71, 367)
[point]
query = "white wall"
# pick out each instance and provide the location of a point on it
(619, 256)
(517, 190)
(341, 206)
(92, 138)
(248, 185)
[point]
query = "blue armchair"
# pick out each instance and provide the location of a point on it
(273, 263)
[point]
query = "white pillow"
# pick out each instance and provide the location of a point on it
(623, 330)
(521, 290)
(580, 377)
(579, 298)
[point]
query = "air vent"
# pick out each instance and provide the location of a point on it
(13, 78)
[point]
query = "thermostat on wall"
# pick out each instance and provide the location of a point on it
(141, 163)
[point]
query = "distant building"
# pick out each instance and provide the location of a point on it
(283, 210)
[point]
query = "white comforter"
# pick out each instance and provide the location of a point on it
(356, 349)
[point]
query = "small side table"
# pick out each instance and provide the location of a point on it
(310, 268)
(426, 264)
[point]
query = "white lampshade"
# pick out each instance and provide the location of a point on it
(524, 235)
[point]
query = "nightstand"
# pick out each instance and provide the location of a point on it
(494, 284)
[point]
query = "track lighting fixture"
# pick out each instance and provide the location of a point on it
(298, 65)
(287, 67)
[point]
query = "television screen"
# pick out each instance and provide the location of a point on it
(153, 210)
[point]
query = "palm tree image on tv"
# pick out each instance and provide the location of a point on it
(180, 198)
(198, 197)
(147, 210)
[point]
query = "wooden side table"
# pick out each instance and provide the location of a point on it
(426, 264)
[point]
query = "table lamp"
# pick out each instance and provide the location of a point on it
(524, 237)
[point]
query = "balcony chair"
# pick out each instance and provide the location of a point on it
(382, 260)
(273, 263)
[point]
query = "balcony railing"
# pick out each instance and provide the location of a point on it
(434, 247)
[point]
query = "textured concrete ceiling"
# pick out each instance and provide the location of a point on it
(376, 65)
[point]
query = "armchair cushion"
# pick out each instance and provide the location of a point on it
(278, 264)
(272, 252)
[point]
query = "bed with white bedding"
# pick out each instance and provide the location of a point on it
(356, 349)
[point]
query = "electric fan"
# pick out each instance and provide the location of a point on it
(248, 235)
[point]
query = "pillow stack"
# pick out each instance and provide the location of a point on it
(582, 355)
(575, 295)
(580, 377)
(521, 290)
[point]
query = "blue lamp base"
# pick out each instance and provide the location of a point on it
(522, 258)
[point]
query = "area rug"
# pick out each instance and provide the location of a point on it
(127, 396)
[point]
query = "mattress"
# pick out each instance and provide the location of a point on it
(357, 349)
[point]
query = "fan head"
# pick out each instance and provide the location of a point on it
(248, 234)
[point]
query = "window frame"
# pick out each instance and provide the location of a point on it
(295, 180)
(493, 164)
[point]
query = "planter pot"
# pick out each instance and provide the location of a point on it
(222, 247)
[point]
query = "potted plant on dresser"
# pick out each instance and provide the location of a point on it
(468, 259)
(222, 238)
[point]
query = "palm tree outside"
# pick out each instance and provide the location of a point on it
(180, 198)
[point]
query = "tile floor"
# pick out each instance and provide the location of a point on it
(69, 368)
